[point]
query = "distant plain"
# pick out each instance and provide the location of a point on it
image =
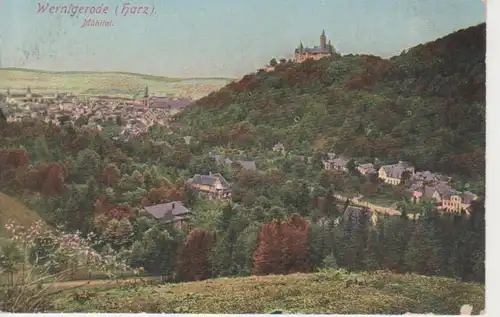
(106, 83)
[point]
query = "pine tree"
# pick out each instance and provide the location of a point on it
(220, 256)
(424, 251)
(345, 250)
(361, 235)
(473, 244)
(330, 207)
(317, 240)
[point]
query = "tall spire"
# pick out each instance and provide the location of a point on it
(322, 40)
(145, 101)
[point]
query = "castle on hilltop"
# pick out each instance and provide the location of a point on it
(316, 52)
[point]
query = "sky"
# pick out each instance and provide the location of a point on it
(218, 38)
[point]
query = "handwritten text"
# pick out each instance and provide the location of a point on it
(124, 9)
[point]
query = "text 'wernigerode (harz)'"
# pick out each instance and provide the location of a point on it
(96, 15)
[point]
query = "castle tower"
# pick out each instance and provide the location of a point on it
(322, 40)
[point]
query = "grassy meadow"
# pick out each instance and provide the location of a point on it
(105, 83)
(12, 209)
(329, 292)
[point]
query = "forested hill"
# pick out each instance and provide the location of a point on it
(426, 105)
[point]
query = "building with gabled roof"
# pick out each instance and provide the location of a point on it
(392, 174)
(213, 185)
(174, 213)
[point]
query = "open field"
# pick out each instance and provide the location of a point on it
(330, 292)
(380, 200)
(12, 209)
(106, 83)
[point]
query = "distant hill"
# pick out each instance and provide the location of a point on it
(426, 105)
(112, 83)
(333, 292)
(12, 209)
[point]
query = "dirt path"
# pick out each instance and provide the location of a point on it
(116, 282)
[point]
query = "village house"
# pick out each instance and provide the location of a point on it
(279, 147)
(445, 196)
(394, 173)
(174, 213)
(430, 177)
(354, 212)
(436, 192)
(248, 165)
(457, 201)
(338, 164)
(213, 185)
(366, 169)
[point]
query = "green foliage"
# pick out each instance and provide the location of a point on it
(419, 106)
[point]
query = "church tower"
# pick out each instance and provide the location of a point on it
(146, 98)
(322, 40)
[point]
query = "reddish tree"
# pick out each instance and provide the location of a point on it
(118, 212)
(267, 256)
(52, 178)
(110, 175)
(295, 253)
(13, 158)
(193, 260)
(163, 195)
(283, 247)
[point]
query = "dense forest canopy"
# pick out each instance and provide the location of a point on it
(426, 106)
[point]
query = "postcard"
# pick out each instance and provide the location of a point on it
(288, 157)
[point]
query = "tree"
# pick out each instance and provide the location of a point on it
(42, 150)
(52, 179)
(87, 164)
(119, 233)
(244, 248)
(283, 247)
(351, 166)
(194, 256)
(295, 253)
(267, 256)
(273, 62)
(110, 175)
(424, 254)
(155, 251)
(330, 205)
(405, 177)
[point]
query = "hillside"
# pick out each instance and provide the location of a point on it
(12, 209)
(426, 105)
(330, 292)
(109, 83)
